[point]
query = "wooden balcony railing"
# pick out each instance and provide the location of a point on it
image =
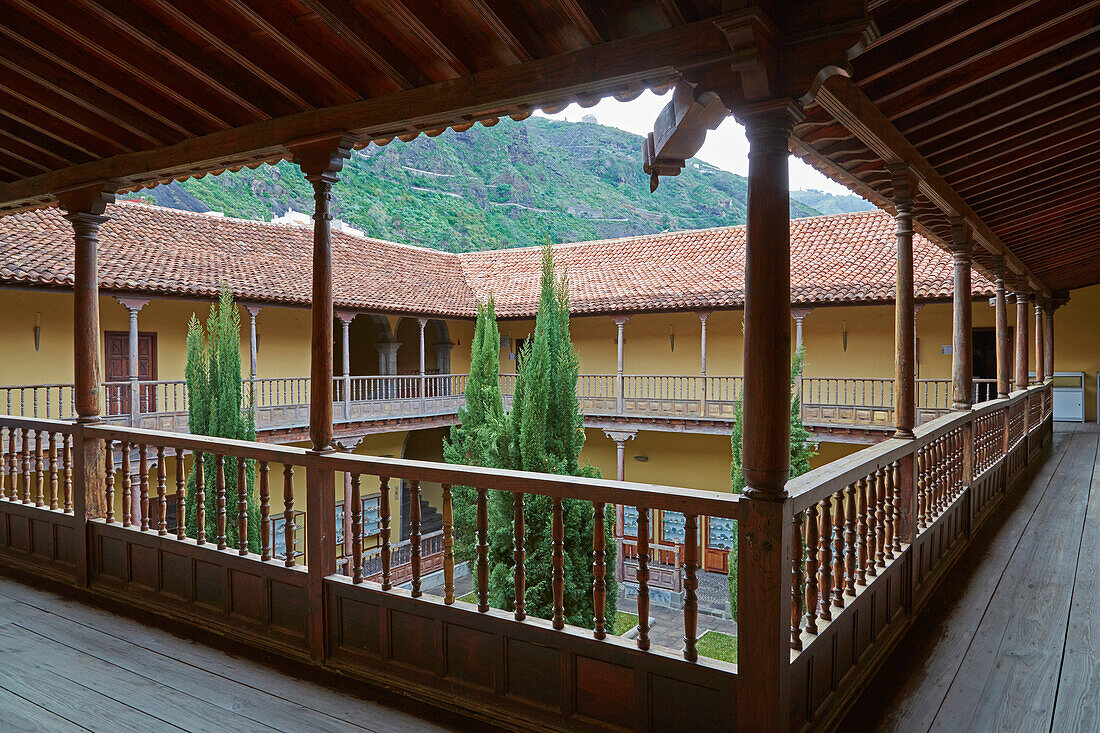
(868, 539)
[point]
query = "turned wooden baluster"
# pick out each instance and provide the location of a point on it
(384, 514)
(888, 538)
(219, 500)
(26, 494)
(414, 537)
(643, 578)
(519, 557)
(691, 585)
(289, 534)
(39, 469)
(599, 570)
(67, 471)
(181, 495)
(919, 480)
(825, 551)
(557, 561)
(127, 486)
(52, 456)
(796, 582)
(838, 550)
(162, 497)
(242, 506)
(448, 546)
(4, 473)
(850, 541)
(874, 496)
(200, 499)
(13, 464)
(109, 487)
(356, 531)
(143, 487)
(861, 512)
(812, 568)
(265, 512)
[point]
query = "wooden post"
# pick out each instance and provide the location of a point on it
(1022, 298)
(253, 351)
(84, 208)
(619, 322)
(620, 437)
(1048, 331)
(321, 160)
(1040, 345)
(962, 357)
(345, 353)
(1004, 345)
(423, 323)
(133, 306)
(703, 316)
(763, 547)
(905, 403)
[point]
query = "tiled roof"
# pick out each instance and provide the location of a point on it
(834, 259)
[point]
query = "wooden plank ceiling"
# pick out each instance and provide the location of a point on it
(1002, 100)
(100, 84)
(995, 105)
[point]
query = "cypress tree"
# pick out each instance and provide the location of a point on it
(473, 441)
(801, 452)
(544, 432)
(215, 401)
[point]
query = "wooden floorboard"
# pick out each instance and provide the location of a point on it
(68, 665)
(987, 652)
(1077, 707)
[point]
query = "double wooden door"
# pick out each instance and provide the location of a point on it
(117, 346)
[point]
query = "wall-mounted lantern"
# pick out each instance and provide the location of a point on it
(844, 334)
(37, 329)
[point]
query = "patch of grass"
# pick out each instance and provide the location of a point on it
(470, 597)
(624, 622)
(716, 645)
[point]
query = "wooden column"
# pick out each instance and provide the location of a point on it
(133, 306)
(763, 546)
(1040, 343)
(905, 410)
(703, 316)
(423, 323)
(345, 353)
(253, 351)
(799, 315)
(321, 160)
(1022, 300)
(84, 208)
(1004, 343)
(1048, 354)
(620, 322)
(620, 437)
(962, 345)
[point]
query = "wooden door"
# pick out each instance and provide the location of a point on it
(117, 345)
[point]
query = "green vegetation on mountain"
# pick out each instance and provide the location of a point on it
(510, 185)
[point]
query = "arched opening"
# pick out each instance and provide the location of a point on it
(423, 445)
(365, 333)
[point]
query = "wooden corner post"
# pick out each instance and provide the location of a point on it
(905, 185)
(321, 160)
(764, 554)
(84, 208)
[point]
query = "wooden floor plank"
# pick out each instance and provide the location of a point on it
(22, 716)
(907, 693)
(1021, 667)
(369, 707)
(196, 686)
(1077, 707)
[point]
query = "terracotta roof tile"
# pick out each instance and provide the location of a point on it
(834, 259)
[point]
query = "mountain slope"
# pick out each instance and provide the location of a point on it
(514, 184)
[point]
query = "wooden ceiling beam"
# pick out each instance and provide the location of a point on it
(932, 103)
(361, 36)
(69, 69)
(1013, 108)
(575, 13)
(1039, 209)
(1025, 142)
(607, 69)
(292, 38)
(146, 67)
(53, 105)
(991, 191)
(149, 31)
(929, 39)
(1006, 44)
(850, 106)
(1086, 170)
(1040, 234)
(404, 17)
(1004, 165)
(56, 126)
(21, 152)
(65, 155)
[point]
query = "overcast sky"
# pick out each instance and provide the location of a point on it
(725, 147)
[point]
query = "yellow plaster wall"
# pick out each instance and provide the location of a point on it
(53, 362)
(1076, 341)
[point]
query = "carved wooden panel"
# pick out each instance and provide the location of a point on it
(38, 540)
(522, 672)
